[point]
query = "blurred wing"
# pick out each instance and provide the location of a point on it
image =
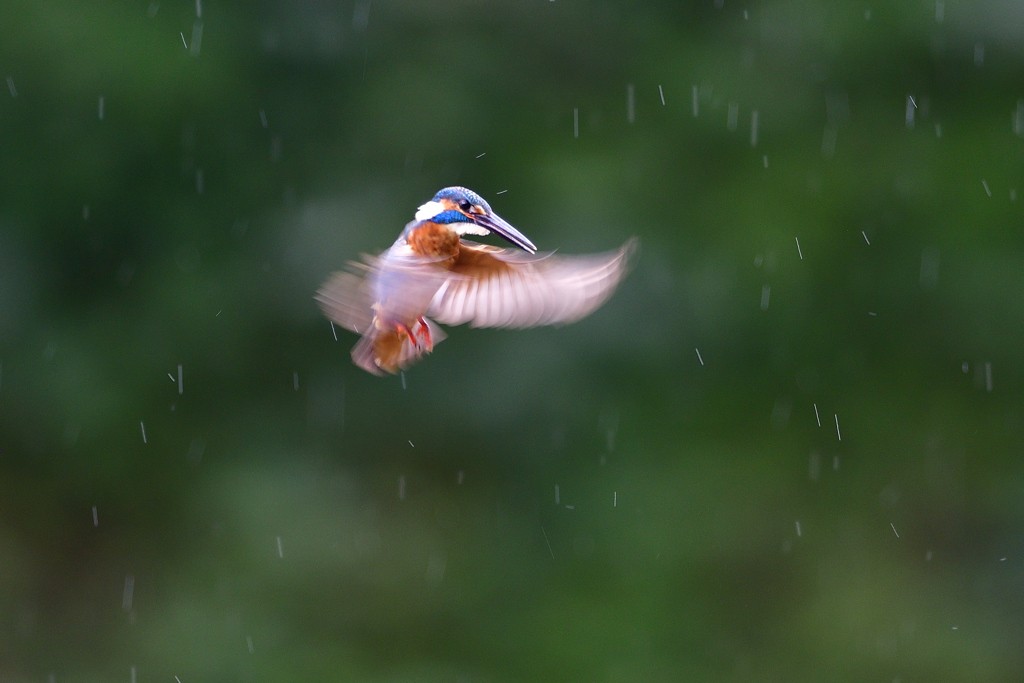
(347, 300)
(402, 283)
(492, 287)
(396, 286)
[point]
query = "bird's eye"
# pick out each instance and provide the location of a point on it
(465, 205)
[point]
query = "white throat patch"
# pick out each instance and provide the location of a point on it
(470, 229)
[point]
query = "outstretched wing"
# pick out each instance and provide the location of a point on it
(346, 298)
(492, 287)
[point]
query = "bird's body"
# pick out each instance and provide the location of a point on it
(432, 273)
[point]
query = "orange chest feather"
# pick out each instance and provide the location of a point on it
(434, 240)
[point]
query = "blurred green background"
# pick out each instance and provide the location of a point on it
(588, 503)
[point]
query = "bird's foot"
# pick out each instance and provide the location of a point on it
(424, 334)
(404, 331)
(418, 334)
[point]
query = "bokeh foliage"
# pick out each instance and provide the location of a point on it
(176, 186)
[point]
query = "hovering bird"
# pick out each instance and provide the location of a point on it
(432, 273)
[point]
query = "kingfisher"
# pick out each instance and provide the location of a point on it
(432, 274)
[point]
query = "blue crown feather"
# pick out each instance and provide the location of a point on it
(459, 193)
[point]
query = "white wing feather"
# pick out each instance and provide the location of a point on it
(491, 287)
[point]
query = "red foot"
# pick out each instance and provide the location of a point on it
(405, 331)
(425, 334)
(421, 337)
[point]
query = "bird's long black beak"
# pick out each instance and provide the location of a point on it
(499, 226)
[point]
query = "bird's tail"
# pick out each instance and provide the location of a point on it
(393, 347)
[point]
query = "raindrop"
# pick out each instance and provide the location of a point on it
(814, 465)
(361, 15)
(129, 591)
(929, 268)
(197, 38)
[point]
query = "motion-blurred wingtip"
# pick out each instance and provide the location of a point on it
(363, 356)
(630, 253)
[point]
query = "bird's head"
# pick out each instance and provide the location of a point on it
(468, 214)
